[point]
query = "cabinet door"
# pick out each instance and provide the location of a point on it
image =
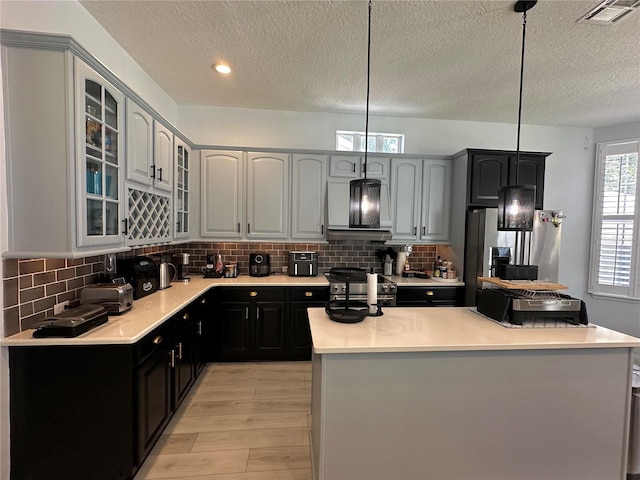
(182, 194)
(530, 171)
(406, 177)
(308, 196)
(377, 167)
(267, 195)
(183, 365)
(436, 201)
(162, 171)
(154, 400)
(487, 173)
(139, 143)
(222, 193)
(345, 166)
(269, 330)
(100, 147)
(234, 332)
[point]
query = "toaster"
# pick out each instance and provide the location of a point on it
(115, 298)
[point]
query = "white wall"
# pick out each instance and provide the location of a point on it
(622, 316)
(68, 17)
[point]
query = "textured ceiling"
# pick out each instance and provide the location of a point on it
(455, 60)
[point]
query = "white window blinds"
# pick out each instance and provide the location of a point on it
(615, 262)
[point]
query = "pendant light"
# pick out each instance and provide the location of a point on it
(516, 203)
(364, 194)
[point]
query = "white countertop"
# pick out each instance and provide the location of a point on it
(424, 282)
(150, 311)
(429, 329)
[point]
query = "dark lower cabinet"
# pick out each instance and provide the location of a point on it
(95, 412)
(430, 296)
(251, 324)
(299, 331)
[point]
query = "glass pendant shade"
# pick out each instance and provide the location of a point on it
(516, 204)
(364, 203)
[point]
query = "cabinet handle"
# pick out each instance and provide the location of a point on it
(321, 229)
(180, 351)
(429, 293)
(153, 171)
(308, 294)
(257, 313)
(354, 168)
(415, 230)
(246, 313)
(185, 317)
(423, 230)
(203, 301)
(238, 227)
(172, 358)
(200, 328)
(160, 170)
(157, 340)
(248, 228)
(126, 226)
(253, 294)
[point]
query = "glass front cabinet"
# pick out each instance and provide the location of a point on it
(100, 147)
(182, 194)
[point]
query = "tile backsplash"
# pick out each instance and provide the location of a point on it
(33, 286)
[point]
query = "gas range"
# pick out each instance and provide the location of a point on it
(386, 289)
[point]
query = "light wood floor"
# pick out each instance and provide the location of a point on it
(241, 421)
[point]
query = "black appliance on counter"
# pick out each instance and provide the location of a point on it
(259, 264)
(72, 322)
(303, 264)
(141, 272)
(534, 308)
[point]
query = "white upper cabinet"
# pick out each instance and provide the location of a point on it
(352, 166)
(421, 200)
(406, 178)
(65, 154)
(139, 144)
(436, 201)
(182, 194)
(222, 187)
(162, 168)
(268, 195)
(308, 187)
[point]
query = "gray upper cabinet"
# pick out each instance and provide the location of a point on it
(421, 200)
(182, 193)
(65, 156)
(268, 195)
(139, 143)
(308, 187)
(222, 187)
(345, 166)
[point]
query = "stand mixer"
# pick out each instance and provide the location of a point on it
(181, 261)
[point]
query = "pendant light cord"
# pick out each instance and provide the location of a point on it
(366, 127)
(524, 31)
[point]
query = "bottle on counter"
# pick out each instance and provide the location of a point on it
(219, 264)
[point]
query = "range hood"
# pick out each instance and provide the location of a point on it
(358, 234)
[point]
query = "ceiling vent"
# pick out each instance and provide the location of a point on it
(610, 12)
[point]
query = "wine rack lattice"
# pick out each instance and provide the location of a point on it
(149, 217)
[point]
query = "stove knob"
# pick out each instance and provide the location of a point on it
(335, 288)
(344, 288)
(392, 288)
(385, 288)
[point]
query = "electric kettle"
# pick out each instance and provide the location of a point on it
(164, 275)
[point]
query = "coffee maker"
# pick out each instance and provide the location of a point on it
(181, 261)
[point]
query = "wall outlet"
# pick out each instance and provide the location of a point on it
(60, 307)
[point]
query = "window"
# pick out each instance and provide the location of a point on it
(615, 256)
(378, 142)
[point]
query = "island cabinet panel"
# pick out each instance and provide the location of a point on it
(430, 296)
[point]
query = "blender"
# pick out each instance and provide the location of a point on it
(181, 261)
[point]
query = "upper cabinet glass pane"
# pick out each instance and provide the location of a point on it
(110, 110)
(186, 159)
(93, 95)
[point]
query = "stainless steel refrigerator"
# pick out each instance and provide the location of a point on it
(485, 246)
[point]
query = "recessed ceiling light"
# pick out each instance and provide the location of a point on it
(222, 68)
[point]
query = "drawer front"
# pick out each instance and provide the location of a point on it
(309, 294)
(157, 339)
(262, 294)
(430, 294)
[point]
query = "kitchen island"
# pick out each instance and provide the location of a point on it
(444, 393)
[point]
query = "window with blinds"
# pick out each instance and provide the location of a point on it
(615, 263)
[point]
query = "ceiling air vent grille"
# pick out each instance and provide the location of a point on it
(610, 12)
